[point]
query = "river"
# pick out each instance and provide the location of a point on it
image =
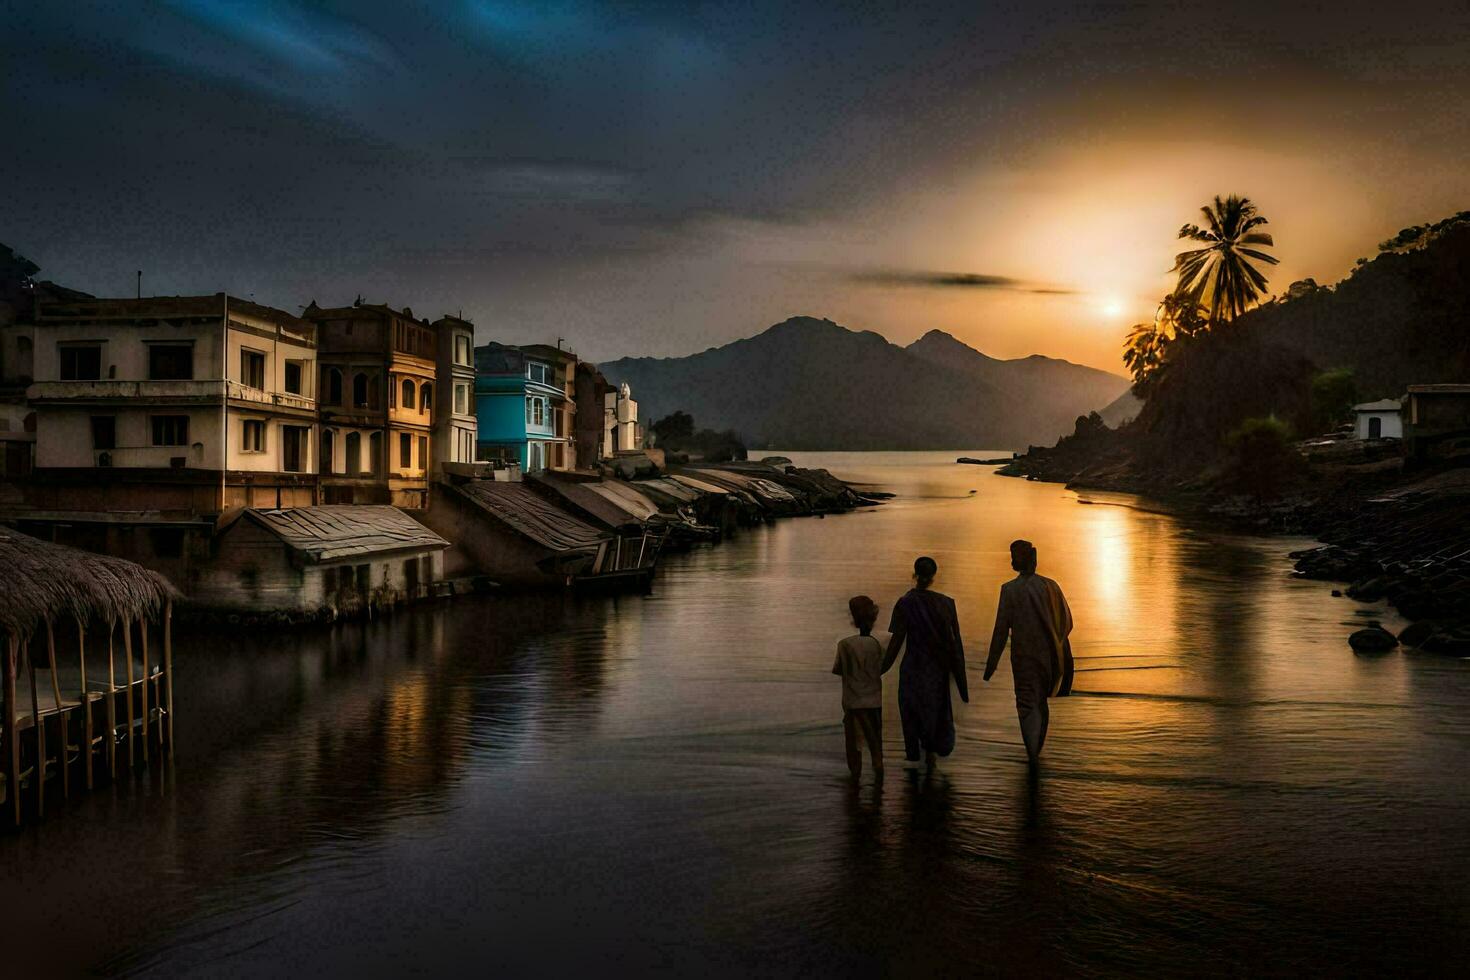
(551, 784)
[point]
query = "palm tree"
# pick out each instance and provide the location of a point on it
(1146, 351)
(1143, 355)
(1222, 275)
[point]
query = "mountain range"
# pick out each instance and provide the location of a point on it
(810, 384)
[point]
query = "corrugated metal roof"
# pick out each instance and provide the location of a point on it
(336, 531)
(627, 497)
(528, 513)
(585, 499)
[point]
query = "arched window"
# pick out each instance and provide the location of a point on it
(334, 386)
(375, 453)
(329, 449)
(407, 400)
(375, 395)
(426, 397)
(353, 454)
(359, 390)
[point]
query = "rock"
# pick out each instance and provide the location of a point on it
(1369, 589)
(1003, 461)
(1374, 639)
(1337, 593)
(1418, 605)
(1448, 644)
(1415, 634)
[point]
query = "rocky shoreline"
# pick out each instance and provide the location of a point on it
(1390, 536)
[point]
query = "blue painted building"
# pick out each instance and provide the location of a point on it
(523, 406)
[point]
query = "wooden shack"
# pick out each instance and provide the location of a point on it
(514, 535)
(88, 668)
(320, 562)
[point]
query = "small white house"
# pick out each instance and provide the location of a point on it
(1379, 420)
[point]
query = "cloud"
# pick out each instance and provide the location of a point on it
(952, 280)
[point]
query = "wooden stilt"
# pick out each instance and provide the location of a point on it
(128, 658)
(147, 680)
(12, 742)
(40, 767)
(168, 669)
(61, 754)
(111, 705)
(86, 702)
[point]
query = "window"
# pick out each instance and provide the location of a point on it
(538, 411)
(80, 362)
(170, 430)
(252, 368)
(537, 372)
(423, 452)
(426, 397)
(364, 578)
(359, 390)
(407, 395)
(375, 454)
(352, 454)
(252, 436)
(329, 447)
(334, 386)
(104, 432)
(405, 451)
(461, 349)
(170, 362)
(292, 381)
(295, 448)
(461, 399)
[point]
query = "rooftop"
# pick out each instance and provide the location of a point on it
(528, 513)
(1382, 405)
(163, 307)
(336, 531)
(46, 581)
(1445, 389)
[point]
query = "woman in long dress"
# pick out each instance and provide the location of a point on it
(926, 621)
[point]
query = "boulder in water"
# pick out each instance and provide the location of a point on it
(1374, 639)
(1415, 634)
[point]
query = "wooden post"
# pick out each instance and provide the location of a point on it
(128, 658)
(12, 744)
(40, 767)
(168, 668)
(60, 715)
(86, 701)
(111, 704)
(143, 636)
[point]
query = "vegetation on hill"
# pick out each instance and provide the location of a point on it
(676, 433)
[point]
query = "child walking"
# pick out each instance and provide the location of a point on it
(860, 665)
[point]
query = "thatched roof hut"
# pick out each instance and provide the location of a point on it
(44, 581)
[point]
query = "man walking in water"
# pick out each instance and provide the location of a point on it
(1034, 614)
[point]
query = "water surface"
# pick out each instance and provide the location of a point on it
(554, 784)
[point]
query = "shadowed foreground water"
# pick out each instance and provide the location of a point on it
(550, 784)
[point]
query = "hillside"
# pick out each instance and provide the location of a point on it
(812, 384)
(1395, 321)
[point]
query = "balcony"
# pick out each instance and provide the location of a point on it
(158, 392)
(278, 399)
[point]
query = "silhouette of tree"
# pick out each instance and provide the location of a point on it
(1146, 351)
(1222, 275)
(673, 429)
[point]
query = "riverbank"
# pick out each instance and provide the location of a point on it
(1386, 534)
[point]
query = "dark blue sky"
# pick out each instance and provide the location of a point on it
(656, 178)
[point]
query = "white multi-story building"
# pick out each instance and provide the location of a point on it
(455, 427)
(180, 405)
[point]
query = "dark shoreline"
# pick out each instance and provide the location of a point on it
(1404, 537)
